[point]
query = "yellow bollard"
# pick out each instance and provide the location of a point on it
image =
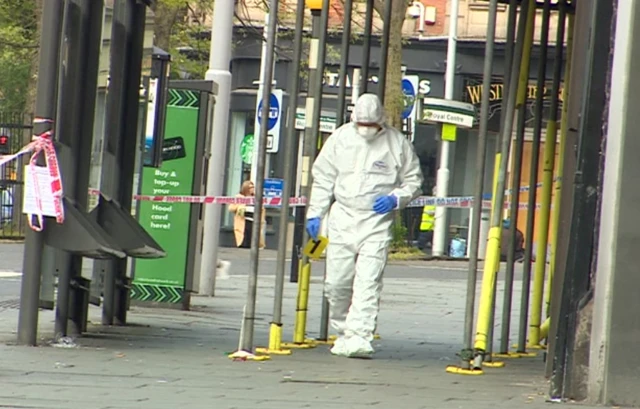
(275, 342)
(487, 292)
(300, 326)
(543, 234)
(492, 259)
(544, 328)
(491, 264)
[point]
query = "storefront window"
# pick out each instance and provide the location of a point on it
(238, 169)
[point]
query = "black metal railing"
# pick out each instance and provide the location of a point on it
(18, 129)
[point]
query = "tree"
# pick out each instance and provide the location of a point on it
(393, 96)
(18, 51)
(181, 30)
(394, 100)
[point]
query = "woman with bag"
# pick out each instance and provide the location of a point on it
(244, 218)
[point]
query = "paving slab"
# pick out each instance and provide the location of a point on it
(178, 359)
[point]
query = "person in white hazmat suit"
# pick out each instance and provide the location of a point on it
(369, 169)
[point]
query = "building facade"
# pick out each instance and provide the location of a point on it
(422, 58)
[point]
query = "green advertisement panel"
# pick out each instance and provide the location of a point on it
(163, 280)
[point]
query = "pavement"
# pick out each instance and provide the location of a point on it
(168, 359)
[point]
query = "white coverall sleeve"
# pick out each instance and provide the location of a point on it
(410, 177)
(324, 174)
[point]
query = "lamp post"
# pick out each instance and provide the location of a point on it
(442, 177)
(219, 61)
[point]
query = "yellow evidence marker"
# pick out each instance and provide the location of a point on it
(315, 248)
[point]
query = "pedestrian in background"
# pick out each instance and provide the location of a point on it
(244, 218)
(427, 225)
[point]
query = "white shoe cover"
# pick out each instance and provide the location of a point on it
(358, 347)
(339, 347)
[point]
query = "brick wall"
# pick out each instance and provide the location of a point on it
(436, 29)
(472, 23)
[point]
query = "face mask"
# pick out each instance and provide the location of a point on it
(367, 132)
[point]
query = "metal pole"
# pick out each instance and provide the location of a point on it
(467, 353)
(340, 117)
(275, 339)
(308, 155)
(442, 178)
(508, 58)
(127, 135)
(552, 324)
(67, 123)
(493, 247)
(311, 134)
(83, 31)
(366, 46)
(533, 177)
(45, 110)
(516, 174)
(344, 62)
(248, 319)
(384, 50)
(547, 182)
(261, 81)
(511, 33)
(219, 62)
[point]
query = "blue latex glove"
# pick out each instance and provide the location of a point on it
(313, 227)
(385, 204)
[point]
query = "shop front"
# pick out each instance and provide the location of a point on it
(245, 71)
(472, 93)
(424, 62)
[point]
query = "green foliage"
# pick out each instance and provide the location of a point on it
(18, 32)
(398, 233)
(182, 31)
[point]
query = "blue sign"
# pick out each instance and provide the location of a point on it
(274, 112)
(409, 93)
(273, 188)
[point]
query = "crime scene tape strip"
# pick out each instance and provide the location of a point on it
(459, 202)
(42, 143)
(524, 189)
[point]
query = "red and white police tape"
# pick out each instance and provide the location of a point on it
(459, 202)
(42, 143)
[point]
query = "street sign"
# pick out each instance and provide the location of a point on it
(448, 112)
(409, 95)
(327, 123)
(410, 85)
(273, 122)
(273, 188)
